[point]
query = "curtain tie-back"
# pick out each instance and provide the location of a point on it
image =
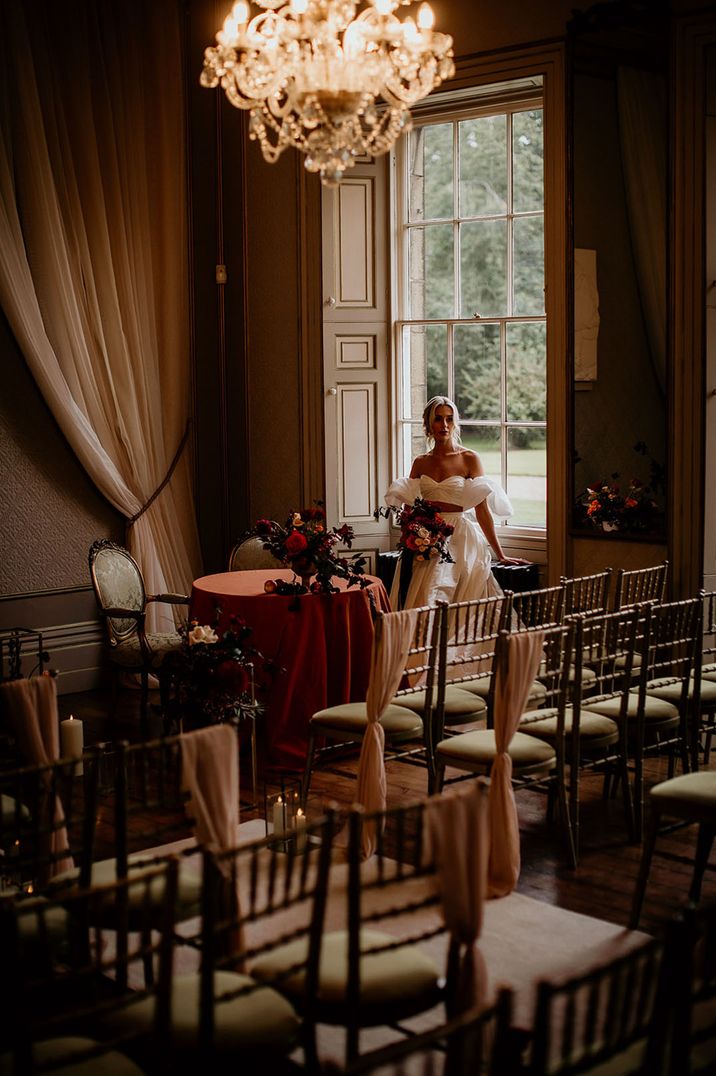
(172, 467)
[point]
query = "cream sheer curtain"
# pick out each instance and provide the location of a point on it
(642, 131)
(93, 252)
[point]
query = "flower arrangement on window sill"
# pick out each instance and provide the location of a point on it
(306, 545)
(606, 506)
(214, 677)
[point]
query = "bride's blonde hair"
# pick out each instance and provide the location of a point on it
(429, 417)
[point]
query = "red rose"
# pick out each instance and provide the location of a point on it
(232, 678)
(263, 526)
(295, 544)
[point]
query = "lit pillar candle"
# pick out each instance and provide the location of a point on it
(300, 830)
(279, 817)
(72, 741)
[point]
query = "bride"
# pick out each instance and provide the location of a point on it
(452, 478)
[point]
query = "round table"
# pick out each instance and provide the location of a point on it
(321, 644)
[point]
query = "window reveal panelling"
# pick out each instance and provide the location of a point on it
(355, 352)
(357, 441)
(354, 230)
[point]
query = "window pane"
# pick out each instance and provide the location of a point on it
(483, 267)
(485, 440)
(527, 475)
(528, 257)
(416, 446)
(527, 161)
(431, 171)
(425, 364)
(432, 272)
(483, 166)
(477, 371)
(527, 372)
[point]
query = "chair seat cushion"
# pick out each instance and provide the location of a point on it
(667, 689)
(691, 795)
(351, 717)
(708, 672)
(481, 687)
(52, 1051)
(478, 747)
(104, 872)
(593, 727)
(129, 653)
(458, 703)
(655, 710)
(387, 976)
(259, 1018)
(589, 677)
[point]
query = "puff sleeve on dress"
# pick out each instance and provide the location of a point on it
(477, 490)
(403, 491)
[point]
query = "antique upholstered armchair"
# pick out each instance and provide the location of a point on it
(249, 553)
(122, 601)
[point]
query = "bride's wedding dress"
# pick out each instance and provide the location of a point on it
(469, 575)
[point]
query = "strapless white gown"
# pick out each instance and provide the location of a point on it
(469, 575)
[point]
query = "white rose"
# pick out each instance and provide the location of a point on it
(202, 633)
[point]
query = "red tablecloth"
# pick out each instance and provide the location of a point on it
(321, 643)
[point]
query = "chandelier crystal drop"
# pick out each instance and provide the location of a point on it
(333, 84)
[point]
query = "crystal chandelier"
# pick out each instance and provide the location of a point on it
(333, 84)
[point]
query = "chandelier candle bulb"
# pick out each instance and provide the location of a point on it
(72, 741)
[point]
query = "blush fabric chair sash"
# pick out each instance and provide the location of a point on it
(516, 671)
(31, 705)
(391, 643)
(458, 839)
(210, 774)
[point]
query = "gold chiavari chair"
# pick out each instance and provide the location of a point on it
(659, 709)
(375, 969)
(604, 646)
(587, 593)
(69, 1004)
(706, 718)
(604, 1017)
(404, 720)
(641, 585)
(536, 763)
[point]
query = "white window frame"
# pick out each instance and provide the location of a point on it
(512, 97)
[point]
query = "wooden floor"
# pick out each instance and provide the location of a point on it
(603, 884)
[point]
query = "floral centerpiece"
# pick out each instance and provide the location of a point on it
(306, 545)
(215, 676)
(606, 506)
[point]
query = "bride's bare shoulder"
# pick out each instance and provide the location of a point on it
(472, 463)
(420, 466)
